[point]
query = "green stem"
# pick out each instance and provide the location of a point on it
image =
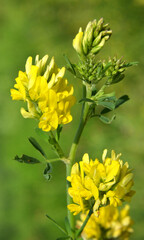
(72, 154)
(53, 160)
(84, 223)
(69, 201)
(83, 120)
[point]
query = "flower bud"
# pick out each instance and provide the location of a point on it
(77, 42)
(93, 39)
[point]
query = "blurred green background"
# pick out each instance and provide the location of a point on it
(33, 27)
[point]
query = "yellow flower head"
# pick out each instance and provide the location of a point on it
(95, 184)
(48, 95)
(110, 224)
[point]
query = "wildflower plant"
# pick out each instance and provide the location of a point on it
(95, 188)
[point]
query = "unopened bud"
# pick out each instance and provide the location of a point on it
(77, 42)
(93, 38)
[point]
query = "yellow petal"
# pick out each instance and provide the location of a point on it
(112, 170)
(85, 158)
(26, 114)
(75, 169)
(104, 155)
(28, 65)
(77, 42)
(16, 95)
(74, 208)
(52, 81)
(96, 205)
(32, 76)
(60, 74)
(52, 99)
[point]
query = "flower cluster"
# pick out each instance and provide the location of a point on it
(111, 224)
(95, 184)
(91, 41)
(47, 93)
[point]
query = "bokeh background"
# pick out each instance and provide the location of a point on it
(30, 27)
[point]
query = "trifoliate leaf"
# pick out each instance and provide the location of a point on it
(36, 145)
(26, 159)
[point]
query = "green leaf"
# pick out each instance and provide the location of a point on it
(121, 100)
(86, 100)
(26, 159)
(70, 65)
(42, 134)
(58, 131)
(67, 225)
(47, 171)
(106, 119)
(53, 221)
(37, 146)
(107, 104)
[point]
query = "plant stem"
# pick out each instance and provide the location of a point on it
(84, 223)
(72, 154)
(83, 120)
(53, 160)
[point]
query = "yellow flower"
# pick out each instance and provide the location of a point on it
(95, 184)
(47, 93)
(49, 120)
(110, 224)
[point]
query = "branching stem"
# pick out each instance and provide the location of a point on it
(73, 149)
